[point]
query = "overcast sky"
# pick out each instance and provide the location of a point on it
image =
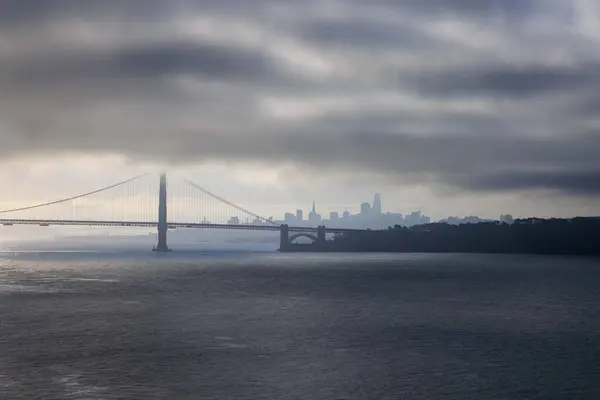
(449, 106)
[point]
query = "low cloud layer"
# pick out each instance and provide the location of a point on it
(479, 95)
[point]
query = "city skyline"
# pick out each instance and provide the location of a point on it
(371, 216)
(395, 214)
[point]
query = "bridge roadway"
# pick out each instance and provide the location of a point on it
(143, 224)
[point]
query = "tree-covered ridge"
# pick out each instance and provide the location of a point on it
(533, 235)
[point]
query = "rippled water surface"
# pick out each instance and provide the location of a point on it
(134, 325)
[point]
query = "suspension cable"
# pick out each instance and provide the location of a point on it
(74, 197)
(219, 198)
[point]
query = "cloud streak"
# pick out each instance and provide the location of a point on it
(477, 95)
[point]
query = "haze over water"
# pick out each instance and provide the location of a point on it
(244, 322)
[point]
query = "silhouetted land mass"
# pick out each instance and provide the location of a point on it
(579, 236)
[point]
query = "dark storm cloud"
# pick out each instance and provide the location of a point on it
(151, 61)
(488, 163)
(512, 81)
(35, 11)
(206, 59)
(14, 12)
(585, 182)
(303, 82)
(362, 33)
(515, 9)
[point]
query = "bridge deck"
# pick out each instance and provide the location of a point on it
(147, 224)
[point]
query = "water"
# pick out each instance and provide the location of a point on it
(131, 324)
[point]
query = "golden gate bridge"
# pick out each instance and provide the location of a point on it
(146, 202)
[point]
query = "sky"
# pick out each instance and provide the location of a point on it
(452, 107)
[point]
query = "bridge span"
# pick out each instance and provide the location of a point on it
(159, 220)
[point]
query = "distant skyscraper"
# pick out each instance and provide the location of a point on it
(289, 218)
(377, 204)
(313, 216)
(299, 215)
(365, 209)
(334, 216)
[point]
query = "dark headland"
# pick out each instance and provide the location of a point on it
(576, 236)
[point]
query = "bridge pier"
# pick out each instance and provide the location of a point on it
(163, 227)
(284, 238)
(321, 237)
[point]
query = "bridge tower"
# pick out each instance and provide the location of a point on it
(284, 238)
(162, 216)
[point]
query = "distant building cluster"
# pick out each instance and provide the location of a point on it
(371, 216)
(237, 221)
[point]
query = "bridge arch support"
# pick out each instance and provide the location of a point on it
(286, 241)
(306, 235)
